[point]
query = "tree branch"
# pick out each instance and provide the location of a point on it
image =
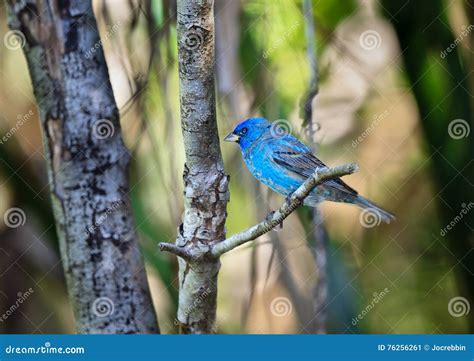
(294, 201)
(176, 250)
(313, 88)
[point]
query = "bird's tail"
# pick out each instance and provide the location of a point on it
(372, 212)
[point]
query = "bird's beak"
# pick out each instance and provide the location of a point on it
(231, 137)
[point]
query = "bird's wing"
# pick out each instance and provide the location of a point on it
(297, 158)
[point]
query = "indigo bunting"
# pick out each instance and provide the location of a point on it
(283, 163)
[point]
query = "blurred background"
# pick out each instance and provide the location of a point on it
(396, 89)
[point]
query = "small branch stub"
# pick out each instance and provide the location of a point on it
(176, 250)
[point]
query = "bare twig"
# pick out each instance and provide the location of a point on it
(294, 201)
(176, 250)
(313, 87)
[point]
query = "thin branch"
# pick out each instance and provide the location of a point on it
(317, 233)
(294, 201)
(313, 86)
(176, 250)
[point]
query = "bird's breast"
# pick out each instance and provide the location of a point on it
(260, 163)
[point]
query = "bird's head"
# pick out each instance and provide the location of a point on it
(248, 131)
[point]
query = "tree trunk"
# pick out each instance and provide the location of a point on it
(205, 182)
(87, 165)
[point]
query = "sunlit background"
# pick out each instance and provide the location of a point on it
(389, 98)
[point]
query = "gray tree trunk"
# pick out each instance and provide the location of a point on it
(87, 165)
(205, 182)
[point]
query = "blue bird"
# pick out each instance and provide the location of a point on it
(283, 163)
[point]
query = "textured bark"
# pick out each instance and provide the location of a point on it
(87, 165)
(205, 182)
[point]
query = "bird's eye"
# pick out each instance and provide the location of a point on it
(243, 131)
